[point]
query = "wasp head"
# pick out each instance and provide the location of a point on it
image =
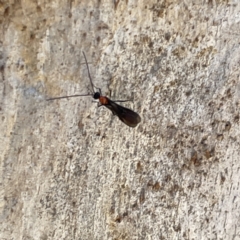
(96, 95)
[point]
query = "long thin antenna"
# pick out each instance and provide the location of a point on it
(77, 95)
(123, 100)
(89, 73)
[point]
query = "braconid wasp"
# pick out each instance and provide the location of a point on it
(126, 115)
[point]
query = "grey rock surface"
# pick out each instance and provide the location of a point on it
(71, 170)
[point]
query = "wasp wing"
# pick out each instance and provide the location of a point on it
(126, 115)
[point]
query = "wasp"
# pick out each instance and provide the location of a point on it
(126, 115)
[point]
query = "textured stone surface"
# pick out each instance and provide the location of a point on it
(70, 170)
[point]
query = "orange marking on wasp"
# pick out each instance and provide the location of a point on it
(103, 100)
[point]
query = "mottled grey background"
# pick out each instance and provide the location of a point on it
(71, 170)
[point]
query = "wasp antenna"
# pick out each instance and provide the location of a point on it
(89, 72)
(128, 100)
(77, 95)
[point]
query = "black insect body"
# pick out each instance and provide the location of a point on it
(126, 115)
